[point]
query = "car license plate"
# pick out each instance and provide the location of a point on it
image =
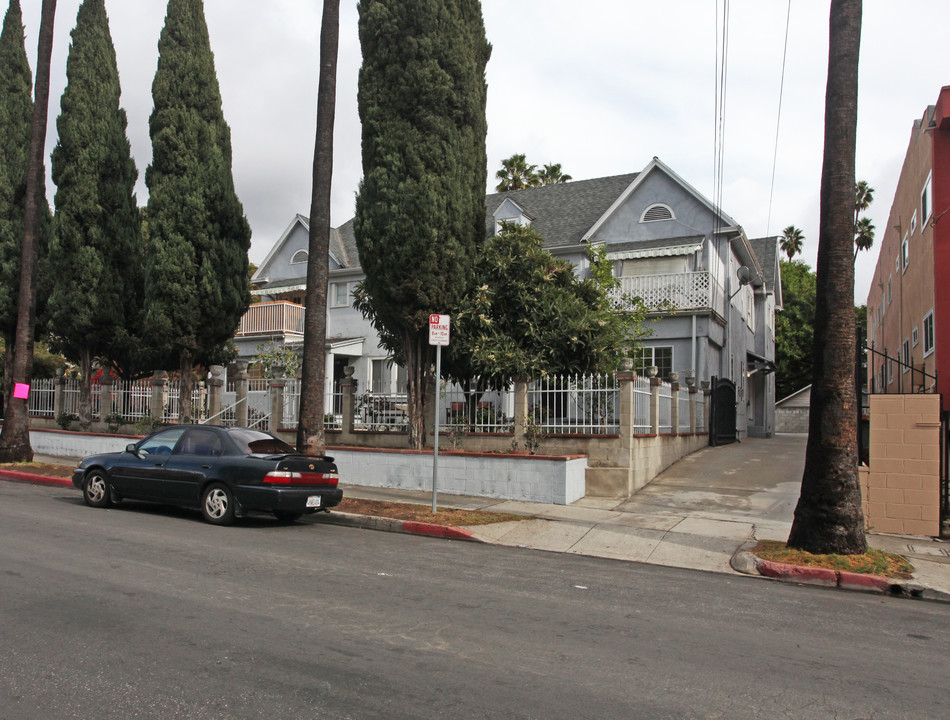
(314, 501)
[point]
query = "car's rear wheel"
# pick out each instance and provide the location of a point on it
(95, 489)
(217, 505)
(287, 516)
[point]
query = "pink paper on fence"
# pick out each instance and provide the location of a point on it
(21, 391)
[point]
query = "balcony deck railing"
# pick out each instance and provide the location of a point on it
(676, 291)
(271, 318)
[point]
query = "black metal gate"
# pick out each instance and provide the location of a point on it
(722, 414)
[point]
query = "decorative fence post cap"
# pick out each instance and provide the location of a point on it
(674, 377)
(652, 371)
(348, 370)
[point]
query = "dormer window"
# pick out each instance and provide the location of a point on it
(299, 257)
(509, 222)
(657, 212)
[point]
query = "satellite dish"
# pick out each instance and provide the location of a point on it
(745, 275)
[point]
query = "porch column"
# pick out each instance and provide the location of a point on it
(157, 406)
(691, 383)
(276, 388)
(215, 388)
(240, 389)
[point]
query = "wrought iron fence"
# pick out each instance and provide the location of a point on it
(131, 399)
(382, 412)
(585, 404)
(42, 398)
(476, 411)
(700, 412)
(683, 403)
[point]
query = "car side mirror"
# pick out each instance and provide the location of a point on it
(130, 448)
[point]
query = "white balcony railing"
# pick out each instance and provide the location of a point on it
(271, 318)
(676, 291)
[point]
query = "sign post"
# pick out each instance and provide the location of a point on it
(438, 336)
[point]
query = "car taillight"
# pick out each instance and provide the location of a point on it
(289, 477)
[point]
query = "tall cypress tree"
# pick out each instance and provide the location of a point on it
(97, 246)
(420, 211)
(16, 109)
(196, 280)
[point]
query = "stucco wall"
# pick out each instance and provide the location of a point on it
(901, 488)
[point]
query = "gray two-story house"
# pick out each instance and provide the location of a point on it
(712, 291)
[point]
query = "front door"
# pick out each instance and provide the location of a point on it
(722, 426)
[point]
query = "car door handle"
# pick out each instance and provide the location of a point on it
(205, 467)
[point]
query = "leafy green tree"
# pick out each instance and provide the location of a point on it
(420, 211)
(863, 227)
(530, 315)
(551, 174)
(791, 241)
(15, 439)
(16, 108)
(96, 257)
(310, 436)
(828, 516)
(196, 283)
(795, 328)
(516, 174)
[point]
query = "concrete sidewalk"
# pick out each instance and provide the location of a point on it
(698, 514)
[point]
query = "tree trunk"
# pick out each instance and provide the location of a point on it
(419, 359)
(828, 518)
(85, 388)
(15, 439)
(186, 385)
(310, 425)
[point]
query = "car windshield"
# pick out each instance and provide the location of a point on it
(260, 443)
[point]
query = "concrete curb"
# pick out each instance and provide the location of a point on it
(33, 478)
(410, 527)
(745, 562)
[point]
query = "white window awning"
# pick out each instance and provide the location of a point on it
(655, 251)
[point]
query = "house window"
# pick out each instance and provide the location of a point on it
(905, 252)
(657, 212)
(913, 223)
(503, 225)
(915, 336)
(928, 333)
(299, 257)
(890, 295)
(926, 202)
(339, 294)
(662, 357)
(890, 370)
(905, 356)
(381, 381)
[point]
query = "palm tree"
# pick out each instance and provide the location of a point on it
(863, 235)
(516, 174)
(15, 439)
(551, 175)
(828, 517)
(310, 436)
(791, 242)
(863, 197)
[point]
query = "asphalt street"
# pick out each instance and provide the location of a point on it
(143, 612)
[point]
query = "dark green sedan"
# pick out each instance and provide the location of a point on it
(224, 472)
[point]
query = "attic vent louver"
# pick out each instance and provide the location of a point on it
(657, 212)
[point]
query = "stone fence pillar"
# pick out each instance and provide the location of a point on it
(276, 388)
(521, 410)
(674, 403)
(215, 390)
(157, 406)
(240, 391)
(348, 388)
(59, 398)
(654, 404)
(106, 396)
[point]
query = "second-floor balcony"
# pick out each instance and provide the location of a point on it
(272, 318)
(689, 291)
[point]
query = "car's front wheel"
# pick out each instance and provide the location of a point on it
(95, 489)
(217, 505)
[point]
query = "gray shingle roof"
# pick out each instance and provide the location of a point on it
(766, 250)
(562, 213)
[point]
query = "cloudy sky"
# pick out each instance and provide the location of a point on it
(601, 87)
